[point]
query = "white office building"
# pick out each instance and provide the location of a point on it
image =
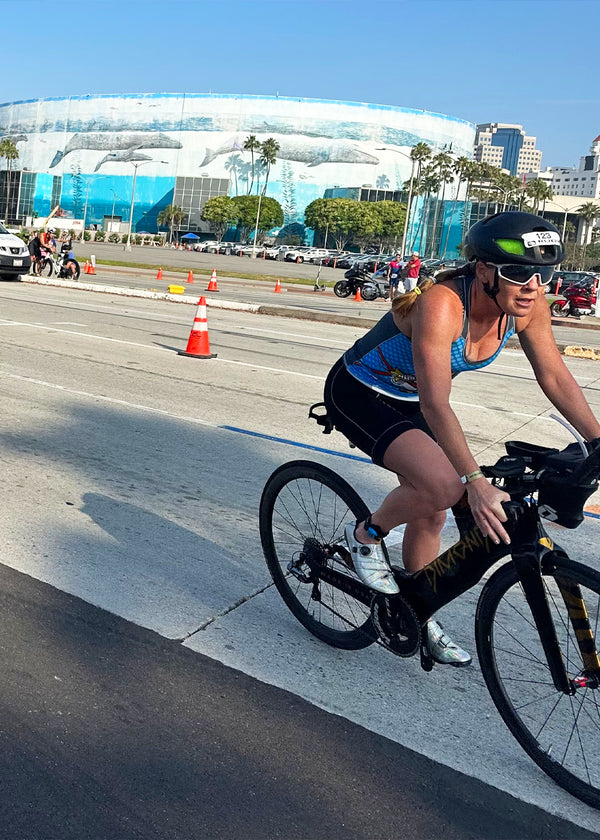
(581, 182)
(508, 147)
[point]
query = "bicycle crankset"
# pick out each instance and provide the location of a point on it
(397, 624)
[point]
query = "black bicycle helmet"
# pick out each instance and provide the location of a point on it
(514, 237)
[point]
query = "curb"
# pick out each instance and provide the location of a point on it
(592, 353)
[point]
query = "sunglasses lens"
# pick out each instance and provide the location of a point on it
(522, 274)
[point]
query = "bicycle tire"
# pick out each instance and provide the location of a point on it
(560, 733)
(47, 267)
(304, 501)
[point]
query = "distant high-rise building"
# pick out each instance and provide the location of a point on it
(508, 147)
(583, 182)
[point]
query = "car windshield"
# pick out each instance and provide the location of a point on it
(2, 228)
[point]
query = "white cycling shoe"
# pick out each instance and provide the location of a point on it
(442, 648)
(370, 564)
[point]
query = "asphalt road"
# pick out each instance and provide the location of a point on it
(154, 680)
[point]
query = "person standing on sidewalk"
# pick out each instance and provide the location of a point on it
(412, 272)
(393, 275)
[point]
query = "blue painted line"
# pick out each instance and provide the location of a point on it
(299, 445)
(327, 451)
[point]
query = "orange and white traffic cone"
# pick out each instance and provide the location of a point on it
(212, 285)
(190, 277)
(277, 288)
(91, 269)
(86, 267)
(159, 274)
(358, 297)
(198, 346)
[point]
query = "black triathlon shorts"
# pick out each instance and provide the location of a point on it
(370, 420)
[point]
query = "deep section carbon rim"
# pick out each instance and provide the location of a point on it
(560, 732)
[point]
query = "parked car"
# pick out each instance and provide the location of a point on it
(276, 252)
(332, 258)
(297, 254)
(316, 255)
(15, 258)
(349, 259)
(204, 246)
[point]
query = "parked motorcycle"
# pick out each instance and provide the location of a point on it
(356, 278)
(578, 300)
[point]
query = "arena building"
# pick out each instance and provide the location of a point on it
(82, 153)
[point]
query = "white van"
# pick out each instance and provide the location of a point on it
(14, 256)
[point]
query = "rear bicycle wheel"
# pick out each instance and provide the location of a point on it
(560, 732)
(303, 512)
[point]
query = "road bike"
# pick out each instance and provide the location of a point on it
(537, 620)
(56, 265)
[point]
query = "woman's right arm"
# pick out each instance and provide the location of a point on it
(436, 323)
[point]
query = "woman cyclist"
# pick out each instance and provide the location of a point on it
(390, 393)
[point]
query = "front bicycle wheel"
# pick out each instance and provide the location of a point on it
(303, 512)
(560, 732)
(47, 267)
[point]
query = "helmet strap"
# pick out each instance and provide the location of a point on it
(492, 292)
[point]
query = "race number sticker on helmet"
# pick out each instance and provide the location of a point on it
(540, 237)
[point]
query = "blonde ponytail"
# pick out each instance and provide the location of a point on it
(402, 304)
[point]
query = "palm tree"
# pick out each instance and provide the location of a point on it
(268, 156)
(9, 151)
(251, 144)
(538, 190)
(431, 183)
(171, 217)
(382, 182)
(419, 153)
(459, 169)
(589, 212)
(442, 163)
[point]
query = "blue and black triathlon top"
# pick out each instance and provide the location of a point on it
(382, 359)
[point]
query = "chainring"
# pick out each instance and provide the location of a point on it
(397, 625)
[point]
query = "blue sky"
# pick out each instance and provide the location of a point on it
(532, 62)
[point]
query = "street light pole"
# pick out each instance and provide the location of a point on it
(112, 215)
(87, 190)
(135, 169)
(260, 195)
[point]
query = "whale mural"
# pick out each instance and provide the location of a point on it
(114, 141)
(299, 148)
(128, 156)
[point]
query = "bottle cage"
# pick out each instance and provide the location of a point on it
(322, 419)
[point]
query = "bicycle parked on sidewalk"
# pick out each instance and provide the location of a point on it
(537, 622)
(62, 265)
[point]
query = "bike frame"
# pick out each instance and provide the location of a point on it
(462, 566)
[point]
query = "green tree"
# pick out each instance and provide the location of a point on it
(246, 208)
(9, 152)
(172, 216)
(390, 216)
(459, 168)
(335, 215)
(220, 212)
(251, 144)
